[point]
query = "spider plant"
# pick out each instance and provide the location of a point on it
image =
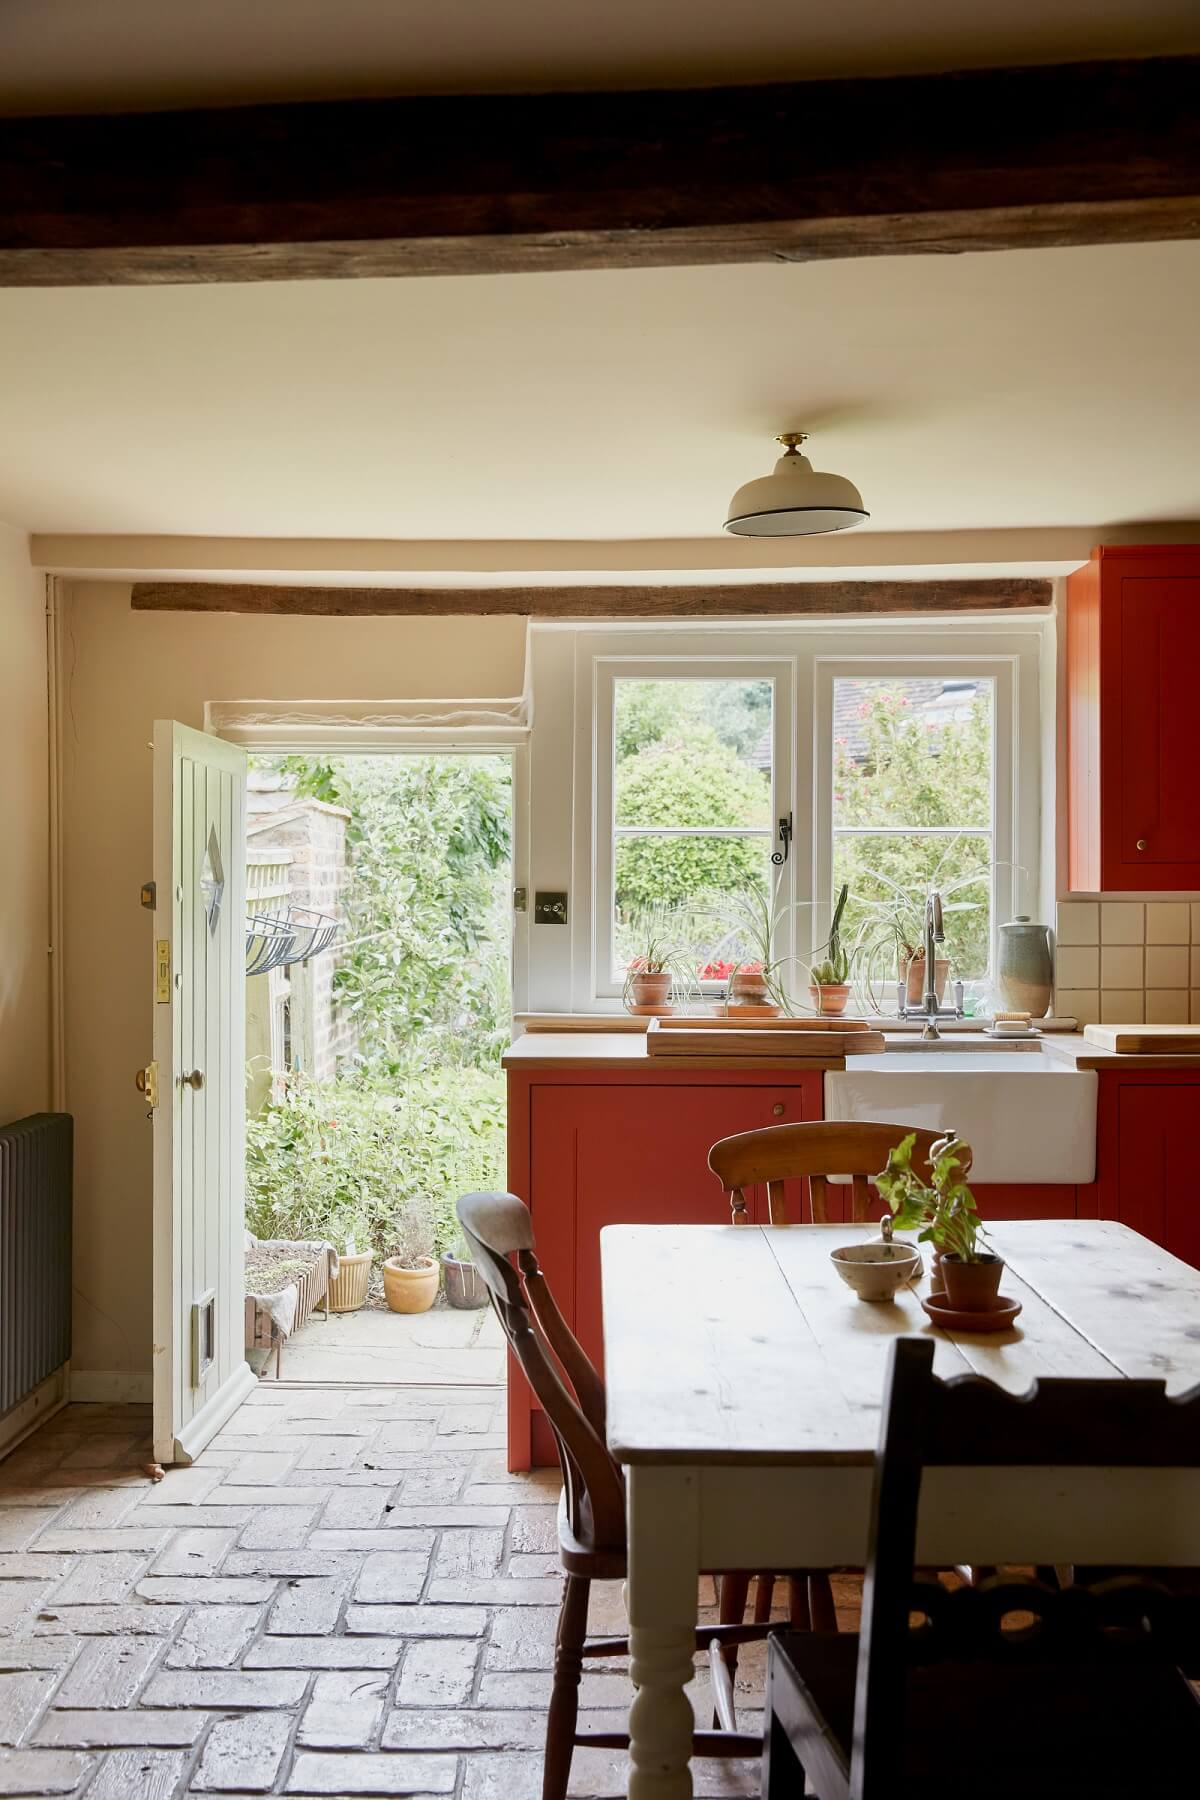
(659, 950)
(893, 932)
(750, 927)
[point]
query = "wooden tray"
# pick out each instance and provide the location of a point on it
(1146, 1040)
(737, 1021)
(768, 1040)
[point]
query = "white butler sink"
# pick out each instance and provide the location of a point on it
(1028, 1117)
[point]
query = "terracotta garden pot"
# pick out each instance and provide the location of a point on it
(972, 1287)
(912, 973)
(410, 1290)
(348, 1291)
(465, 1286)
(650, 990)
(830, 998)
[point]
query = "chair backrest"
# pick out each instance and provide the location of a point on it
(817, 1150)
(498, 1227)
(970, 1422)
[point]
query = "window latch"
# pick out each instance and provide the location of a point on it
(784, 834)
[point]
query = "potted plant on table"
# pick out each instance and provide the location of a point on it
(942, 1211)
(829, 977)
(410, 1276)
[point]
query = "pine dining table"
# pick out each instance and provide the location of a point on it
(745, 1383)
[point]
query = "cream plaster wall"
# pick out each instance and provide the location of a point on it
(24, 910)
(121, 671)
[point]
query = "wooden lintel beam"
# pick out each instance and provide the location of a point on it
(1080, 153)
(760, 600)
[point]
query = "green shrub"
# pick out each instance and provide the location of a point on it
(382, 1164)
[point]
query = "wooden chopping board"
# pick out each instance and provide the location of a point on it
(763, 1042)
(1145, 1040)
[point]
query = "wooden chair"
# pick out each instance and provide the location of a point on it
(813, 1151)
(777, 1154)
(591, 1514)
(1013, 1687)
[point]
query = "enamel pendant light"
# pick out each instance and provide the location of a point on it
(795, 500)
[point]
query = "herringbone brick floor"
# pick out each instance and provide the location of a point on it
(347, 1594)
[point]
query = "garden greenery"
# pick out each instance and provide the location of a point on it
(379, 1155)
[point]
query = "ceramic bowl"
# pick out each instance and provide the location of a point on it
(876, 1270)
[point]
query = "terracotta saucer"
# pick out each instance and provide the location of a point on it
(997, 1315)
(650, 1012)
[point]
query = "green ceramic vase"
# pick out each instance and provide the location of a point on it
(1025, 978)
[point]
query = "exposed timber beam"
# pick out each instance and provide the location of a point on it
(774, 600)
(1081, 153)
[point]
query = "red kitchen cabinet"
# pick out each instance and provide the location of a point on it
(1148, 1152)
(593, 1146)
(1133, 647)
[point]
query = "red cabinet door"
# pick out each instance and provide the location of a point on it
(1156, 1164)
(1154, 830)
(607, 1155)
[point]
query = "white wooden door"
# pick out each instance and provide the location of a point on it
(200, 1371)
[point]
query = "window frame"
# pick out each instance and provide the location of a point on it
(1002, 672)
(803, 659)
(606, 672)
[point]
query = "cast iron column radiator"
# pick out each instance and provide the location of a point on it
(35, 1252)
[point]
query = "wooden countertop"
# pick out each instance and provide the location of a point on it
(626, 1048)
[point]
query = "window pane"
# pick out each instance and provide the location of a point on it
(687, 888)
(912, 750)
(692, 752)
(889, 878)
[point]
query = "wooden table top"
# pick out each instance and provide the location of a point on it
(727, 1345)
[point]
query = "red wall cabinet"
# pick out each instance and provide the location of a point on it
(1133, 647)
(1148, 1123)
(590, 1147)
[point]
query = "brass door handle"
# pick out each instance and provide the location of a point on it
(1141, 843)
(779, 1109)
(194, 1080)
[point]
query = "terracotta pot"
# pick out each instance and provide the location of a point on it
(830, 998)
(465, 1286)
(971, 1287)
(410, 1290)
(650, 990)
(348, 1291)
(912, 973)
(749, 989)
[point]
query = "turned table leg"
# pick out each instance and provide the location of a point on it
(664, 1574)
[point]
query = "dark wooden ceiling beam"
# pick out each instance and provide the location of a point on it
(758, 600)
(988, 159)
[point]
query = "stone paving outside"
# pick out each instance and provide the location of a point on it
(443, 1346)
(347, 1594)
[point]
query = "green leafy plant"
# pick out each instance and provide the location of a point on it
(380, 1166)
(834, 968)
(658, 949)
(942, 1211)
(750, 928)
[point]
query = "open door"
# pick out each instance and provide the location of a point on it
(200, 1371)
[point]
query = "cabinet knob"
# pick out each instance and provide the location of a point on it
(1141, 843)
(779, 1109)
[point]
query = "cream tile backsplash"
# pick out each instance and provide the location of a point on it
(1126, 962)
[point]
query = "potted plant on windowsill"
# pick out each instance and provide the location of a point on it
(829, 977)
(745, 955)
(658, 970)
(943, 1213)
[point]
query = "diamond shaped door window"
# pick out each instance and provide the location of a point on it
(212, 881)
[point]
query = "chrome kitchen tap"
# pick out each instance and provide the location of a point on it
(934, 935)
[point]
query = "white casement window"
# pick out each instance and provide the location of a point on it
(919, 785)
(903, 758)
(692, 762)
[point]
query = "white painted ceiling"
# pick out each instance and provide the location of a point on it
(1023, 389)
(106, 54)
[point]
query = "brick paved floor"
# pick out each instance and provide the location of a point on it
(347, 1594)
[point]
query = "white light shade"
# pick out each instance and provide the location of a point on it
(795, 500)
